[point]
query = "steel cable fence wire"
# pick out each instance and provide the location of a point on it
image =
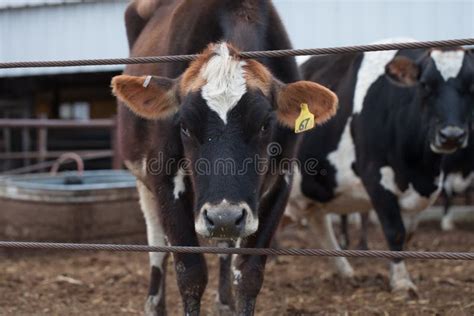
(242, 251)
(255, 54)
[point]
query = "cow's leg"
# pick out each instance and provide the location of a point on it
(447, 223)
(225, 299)
(321, 227)
(344, 238)
(364, 230)
(388, 210)
(191, 269)
(155, 304)
(249, 271)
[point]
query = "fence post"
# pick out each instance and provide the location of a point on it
(25, 144)
(116, 159)
(42, 145)
(7, 144)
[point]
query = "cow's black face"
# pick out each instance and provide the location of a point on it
(445, 83)
(229, 158)
(227, 109)
(447, 86)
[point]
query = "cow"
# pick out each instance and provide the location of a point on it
(178, 122)
(400, 113)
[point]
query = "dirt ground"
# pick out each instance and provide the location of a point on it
(102, 283)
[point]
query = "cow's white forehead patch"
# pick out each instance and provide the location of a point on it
(225, 81)
(448, 63)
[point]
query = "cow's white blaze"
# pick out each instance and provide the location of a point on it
(178, 182)
(372, 67)
(410, 199)
(225, 81)
(448, 63)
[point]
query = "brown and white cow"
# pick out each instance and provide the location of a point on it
(178, 119)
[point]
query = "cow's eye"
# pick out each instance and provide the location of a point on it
(265, 126)
(185, 131)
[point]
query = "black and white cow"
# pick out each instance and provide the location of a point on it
(400, 111)
(197, 136)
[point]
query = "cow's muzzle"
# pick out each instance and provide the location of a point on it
(226, 220)
(449, 139)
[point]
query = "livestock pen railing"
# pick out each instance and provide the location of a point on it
(41, 154)
(244, 251)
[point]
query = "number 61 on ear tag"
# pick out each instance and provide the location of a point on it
(305, 120)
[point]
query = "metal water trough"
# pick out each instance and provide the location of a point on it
(96, 205)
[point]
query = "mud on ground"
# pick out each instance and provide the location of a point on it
(104, 283)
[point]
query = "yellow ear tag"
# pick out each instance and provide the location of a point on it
(305, 121)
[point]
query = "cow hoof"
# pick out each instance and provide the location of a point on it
(346, 272)
(152, 307)
(406, 289)
(447, 224)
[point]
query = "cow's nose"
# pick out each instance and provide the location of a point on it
(225, 222)
(452, 135)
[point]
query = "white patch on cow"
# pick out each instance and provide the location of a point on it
(447, 222)
(236, 272)
(179, 185)
(456, 183)
(225, 81)
(410, 199)
(448, 63)
(372, 67)
(154, 228)
(400, 278)
(287, 176)
(237, 275)
(351, 195)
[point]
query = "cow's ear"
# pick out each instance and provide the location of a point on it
(403, 71)
(321, 101)
(148, 96)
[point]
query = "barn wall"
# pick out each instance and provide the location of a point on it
(65, 31)
(320, 23)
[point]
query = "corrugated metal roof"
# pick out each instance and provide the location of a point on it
(88, 30)
(14, 4)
